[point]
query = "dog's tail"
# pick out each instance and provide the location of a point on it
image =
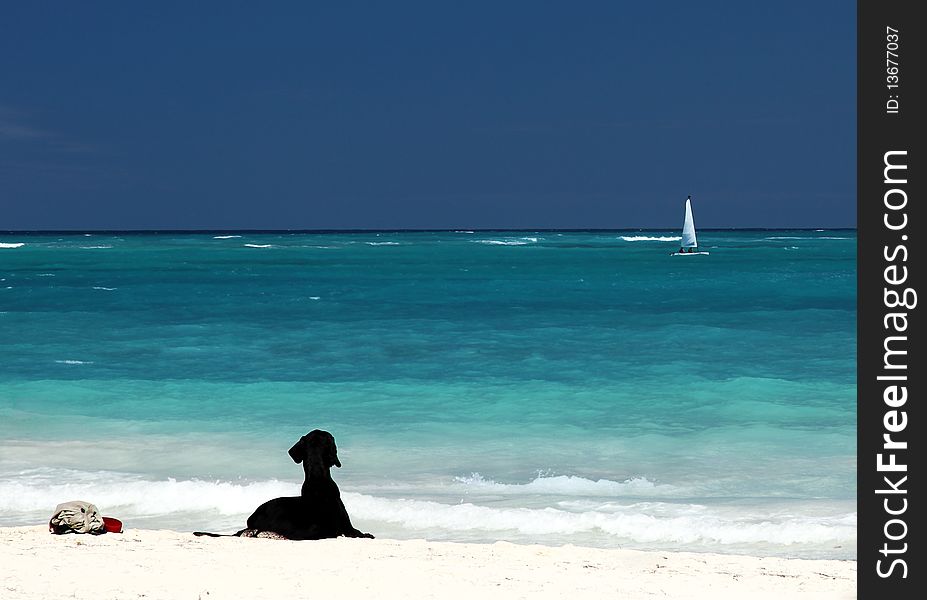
(209, 534)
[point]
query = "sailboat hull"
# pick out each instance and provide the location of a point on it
(688, 253)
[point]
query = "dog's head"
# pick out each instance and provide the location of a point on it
(317, 445)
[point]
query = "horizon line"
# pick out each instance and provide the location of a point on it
(409, 230)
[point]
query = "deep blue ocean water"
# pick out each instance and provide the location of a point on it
(550, 387)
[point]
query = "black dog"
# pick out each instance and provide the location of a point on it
(318, 453)
(317, 513)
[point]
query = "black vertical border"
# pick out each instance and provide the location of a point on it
(880, 131)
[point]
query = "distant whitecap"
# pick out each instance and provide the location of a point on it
(259, 246)
(13, 245)
(650, 238)
(521, 241)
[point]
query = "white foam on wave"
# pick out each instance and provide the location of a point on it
(650, 238)
(382, 243)
(259, 245)
(568, 485)
(133, 495)
(784, 237)
(100, 247)
(106, 289)
(665, 523)
(11, 245)
(832, 237)
(25, 494)
(74, 362)
(225, 237)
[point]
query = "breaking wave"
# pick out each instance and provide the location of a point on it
(131, 495)
(653, 523)
(532, 511)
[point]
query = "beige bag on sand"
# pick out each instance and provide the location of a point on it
(76, 516)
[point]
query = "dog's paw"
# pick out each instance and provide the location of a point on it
(249, 533)
(257, 533)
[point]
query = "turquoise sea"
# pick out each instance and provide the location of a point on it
(532, 386)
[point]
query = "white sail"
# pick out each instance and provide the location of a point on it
(688, 229)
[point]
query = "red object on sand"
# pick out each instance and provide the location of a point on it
(112, 525)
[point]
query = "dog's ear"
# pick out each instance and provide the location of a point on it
(298, 451)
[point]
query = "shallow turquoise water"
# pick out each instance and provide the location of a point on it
(557, 387)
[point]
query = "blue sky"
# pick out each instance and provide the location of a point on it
(306, 115)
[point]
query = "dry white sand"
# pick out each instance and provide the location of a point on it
(150, 564)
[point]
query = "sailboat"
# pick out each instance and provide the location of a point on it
(689, 244)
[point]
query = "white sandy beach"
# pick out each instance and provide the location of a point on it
(154, 564)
